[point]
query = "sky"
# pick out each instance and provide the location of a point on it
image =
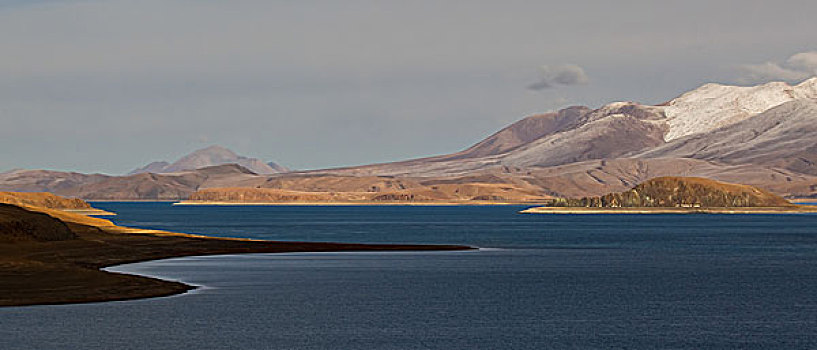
(107, 86)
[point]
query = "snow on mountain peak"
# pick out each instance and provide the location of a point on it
(714, 105)
(810, 86)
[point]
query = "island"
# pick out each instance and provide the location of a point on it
(678, 195)
(49, 255)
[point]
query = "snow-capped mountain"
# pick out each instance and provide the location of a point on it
(762, 135)
(714, 105)
(632, 130)
(624, 129)
(784, 136)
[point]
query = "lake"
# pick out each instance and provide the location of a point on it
(540, 282)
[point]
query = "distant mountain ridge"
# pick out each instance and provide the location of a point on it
(210, 156)
(630, 130)
(147, 186)
(764, 136)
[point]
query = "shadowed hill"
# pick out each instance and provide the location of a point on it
(18, 224)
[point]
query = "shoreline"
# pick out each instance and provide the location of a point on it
(89, 212)
(350, 203)
(803, 200)
(131, 200)
(72, 271)
(198, 287)
(639, 211)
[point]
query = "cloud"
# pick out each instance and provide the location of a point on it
(796, 68)
(564, 74)
(805, 60)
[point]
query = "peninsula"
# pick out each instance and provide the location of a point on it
(52, 256)
(678, 195)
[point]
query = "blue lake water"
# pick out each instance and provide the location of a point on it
(547, 282)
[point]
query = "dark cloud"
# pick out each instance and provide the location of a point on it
(565, 74)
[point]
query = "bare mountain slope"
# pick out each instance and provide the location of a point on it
(610, 132)
(597, 177)
(145, 186)
(784, 136)
(626, 129)
(571, 135)
(714, 106)
(46, 180)
(523, 132)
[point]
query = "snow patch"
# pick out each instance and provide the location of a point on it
(714, 105)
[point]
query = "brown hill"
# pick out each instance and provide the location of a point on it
(683, 192)
(58, 182)
(43, 199)
(143, 186)
(334, 190)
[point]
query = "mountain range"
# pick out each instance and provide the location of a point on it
(763, 135)
(207, 157)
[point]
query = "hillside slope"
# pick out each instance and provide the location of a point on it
(44, 200)
(620, 129)
(714, 106)
(20, 225)
(784, 136)
(683, 192)
(145, 186)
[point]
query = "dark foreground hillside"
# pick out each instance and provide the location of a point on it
(55, 257)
